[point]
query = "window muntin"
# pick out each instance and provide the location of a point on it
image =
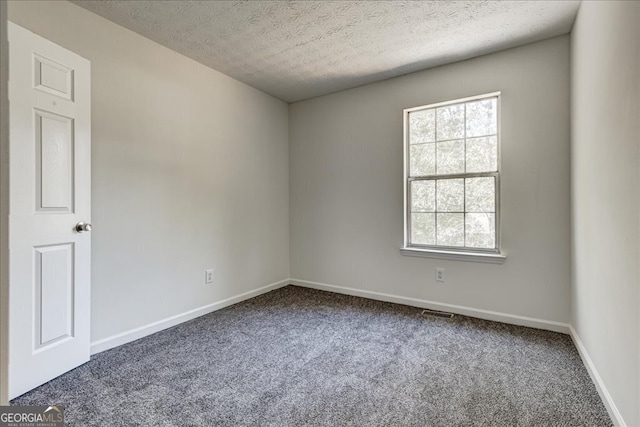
(452, 175)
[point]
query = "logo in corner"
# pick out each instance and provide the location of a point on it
(32, 416)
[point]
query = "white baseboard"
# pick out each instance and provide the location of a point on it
(614, 413)
(457, 309)
(143, 331)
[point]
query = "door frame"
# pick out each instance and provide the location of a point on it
(4, 205)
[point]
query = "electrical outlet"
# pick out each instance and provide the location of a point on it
(439, 274)
(208, 276)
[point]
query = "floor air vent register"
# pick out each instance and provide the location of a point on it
(437, 313)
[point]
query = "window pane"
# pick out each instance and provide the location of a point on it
(423, 228)
(422, 160)
(423, 196)
(480, 195)
(448, 147)
(450, 229)
(422, 126)
(482, 154)
(450, 157)
(450, 195)
(450, 122)
(482, 118)
(481, 230)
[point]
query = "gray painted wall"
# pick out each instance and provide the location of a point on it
(190, 171)
(606, 196)
(346, 185)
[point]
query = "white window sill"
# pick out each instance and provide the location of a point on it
(458, 256)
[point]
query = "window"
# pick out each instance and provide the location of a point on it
(452, 176)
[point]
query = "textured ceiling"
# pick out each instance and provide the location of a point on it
(296, 50)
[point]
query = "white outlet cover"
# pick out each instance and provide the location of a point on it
(208, 276)
(439, 274)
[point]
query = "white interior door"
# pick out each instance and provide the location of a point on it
(50, 192)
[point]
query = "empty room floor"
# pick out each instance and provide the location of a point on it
(297, 356)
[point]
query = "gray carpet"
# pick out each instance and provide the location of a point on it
(297, 356)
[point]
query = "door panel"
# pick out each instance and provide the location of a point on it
(51, 77)
(50, 190)
(54, 162)
(53, 293)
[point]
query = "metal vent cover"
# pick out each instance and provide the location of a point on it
(437, 313)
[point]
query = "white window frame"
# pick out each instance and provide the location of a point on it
(493, 255)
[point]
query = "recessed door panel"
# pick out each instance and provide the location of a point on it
(54, 289)
(54, 158)
(52, 77)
